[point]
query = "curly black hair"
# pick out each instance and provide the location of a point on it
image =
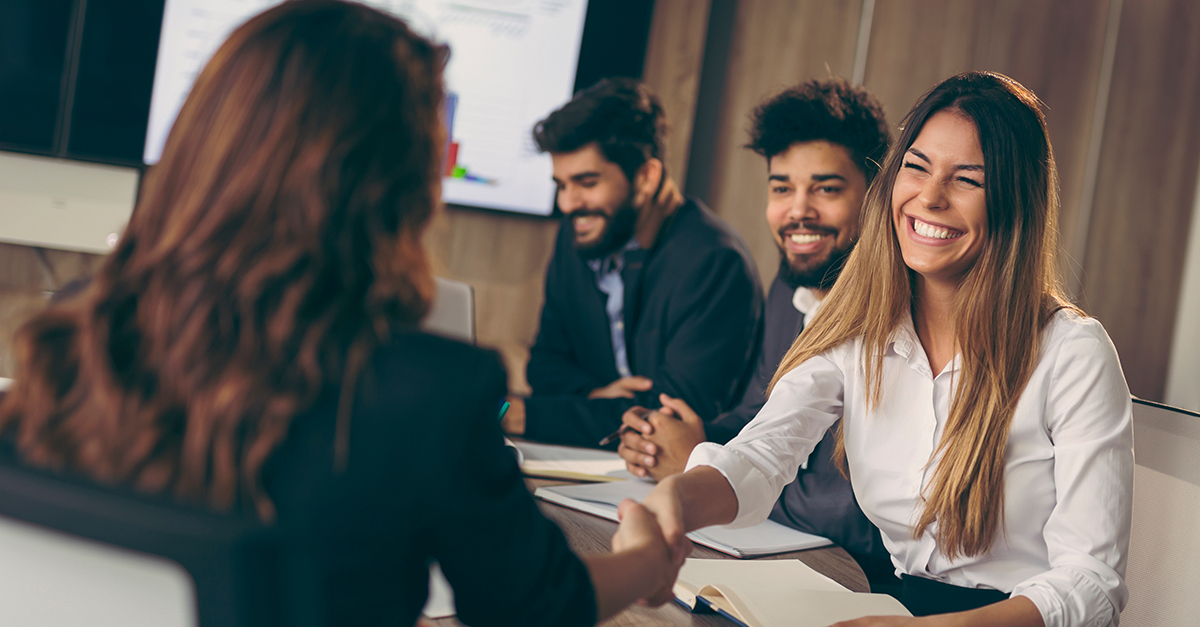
(621, 115)
(832, 110)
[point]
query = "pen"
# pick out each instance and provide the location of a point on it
(612, 437)
(504, 405)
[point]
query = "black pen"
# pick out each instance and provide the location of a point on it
(612, 437)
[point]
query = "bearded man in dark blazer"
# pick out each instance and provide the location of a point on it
(647, 293)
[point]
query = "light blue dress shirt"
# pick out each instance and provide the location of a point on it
(608, 279)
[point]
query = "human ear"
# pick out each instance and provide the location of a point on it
(647, 180)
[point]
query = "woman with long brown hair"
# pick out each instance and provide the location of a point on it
(985, 420)
(251, 343)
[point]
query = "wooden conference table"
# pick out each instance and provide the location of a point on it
(588, 534)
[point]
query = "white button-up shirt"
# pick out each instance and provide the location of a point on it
(1068, 475)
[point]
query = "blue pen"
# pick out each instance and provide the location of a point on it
(504, 405)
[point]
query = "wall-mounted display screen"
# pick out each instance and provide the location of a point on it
(512, 62)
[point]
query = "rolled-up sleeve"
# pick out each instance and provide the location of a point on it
(1088, 417)
(765, 456)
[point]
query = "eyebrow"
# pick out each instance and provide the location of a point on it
(577, 177)
(816, 178)
(972, 167)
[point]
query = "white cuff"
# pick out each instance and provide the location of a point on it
(749, 485)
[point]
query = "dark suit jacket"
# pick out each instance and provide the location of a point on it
(820, 500)
(428, 478)
(692, 321)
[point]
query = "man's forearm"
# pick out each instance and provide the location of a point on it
(619, 580)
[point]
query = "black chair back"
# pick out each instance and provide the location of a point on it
(244, 573)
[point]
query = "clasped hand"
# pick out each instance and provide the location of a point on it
(656, 444)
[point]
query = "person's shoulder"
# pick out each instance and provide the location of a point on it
(781, 295)
(695, 231)
(1071, 324)
(419, 385)
(420, 370)
(1072, 334)
(695, 221)
(435, 354)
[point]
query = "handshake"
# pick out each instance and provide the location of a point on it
(656, 444)
(652, 539)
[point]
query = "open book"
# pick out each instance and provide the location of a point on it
(570, 463)
(767, 593)
(602, 499)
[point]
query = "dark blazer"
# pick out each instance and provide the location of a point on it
(692, 322)
(428, 478)
(820, 500)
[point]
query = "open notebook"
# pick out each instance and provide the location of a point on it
(769, 593)
(570, 463)
(602, 499)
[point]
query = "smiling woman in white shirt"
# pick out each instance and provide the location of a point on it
(985, 419)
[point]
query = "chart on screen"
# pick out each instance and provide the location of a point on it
(512, 62)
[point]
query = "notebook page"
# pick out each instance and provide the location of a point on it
(785, 574)
(808, 608)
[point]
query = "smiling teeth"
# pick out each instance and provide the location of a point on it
(806, 238)
(928, 230)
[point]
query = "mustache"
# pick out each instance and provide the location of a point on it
(588, 213)
(816, 228)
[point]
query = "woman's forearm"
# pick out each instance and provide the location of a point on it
(1015, 612)
(698, 498)
(707, 498)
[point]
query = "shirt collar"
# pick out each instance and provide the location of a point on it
(904, 337)
(905, 343)
(806, 301)
(615, 261)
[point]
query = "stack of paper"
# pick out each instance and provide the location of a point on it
(571, 463)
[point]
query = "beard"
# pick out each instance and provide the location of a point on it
(618, 228)
(817, 274)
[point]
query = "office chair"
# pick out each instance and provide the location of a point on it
(1164, 546)
(73, 553)
(453, 312)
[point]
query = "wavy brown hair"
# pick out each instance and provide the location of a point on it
(275, 245)
(1003, 303)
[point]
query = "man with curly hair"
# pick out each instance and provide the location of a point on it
(823, 142)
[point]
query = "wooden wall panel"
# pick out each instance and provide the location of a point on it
(1146, 186)
(1054, 48)
(674, 54)
(775, 45)
(504, 257)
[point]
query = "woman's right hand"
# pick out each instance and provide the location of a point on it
(665, 504)
(640, 532)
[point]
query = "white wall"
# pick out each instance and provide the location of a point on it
(1183, 375)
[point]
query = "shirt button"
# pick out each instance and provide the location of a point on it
(620, 324)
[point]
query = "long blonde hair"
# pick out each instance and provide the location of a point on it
(1004, 302)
